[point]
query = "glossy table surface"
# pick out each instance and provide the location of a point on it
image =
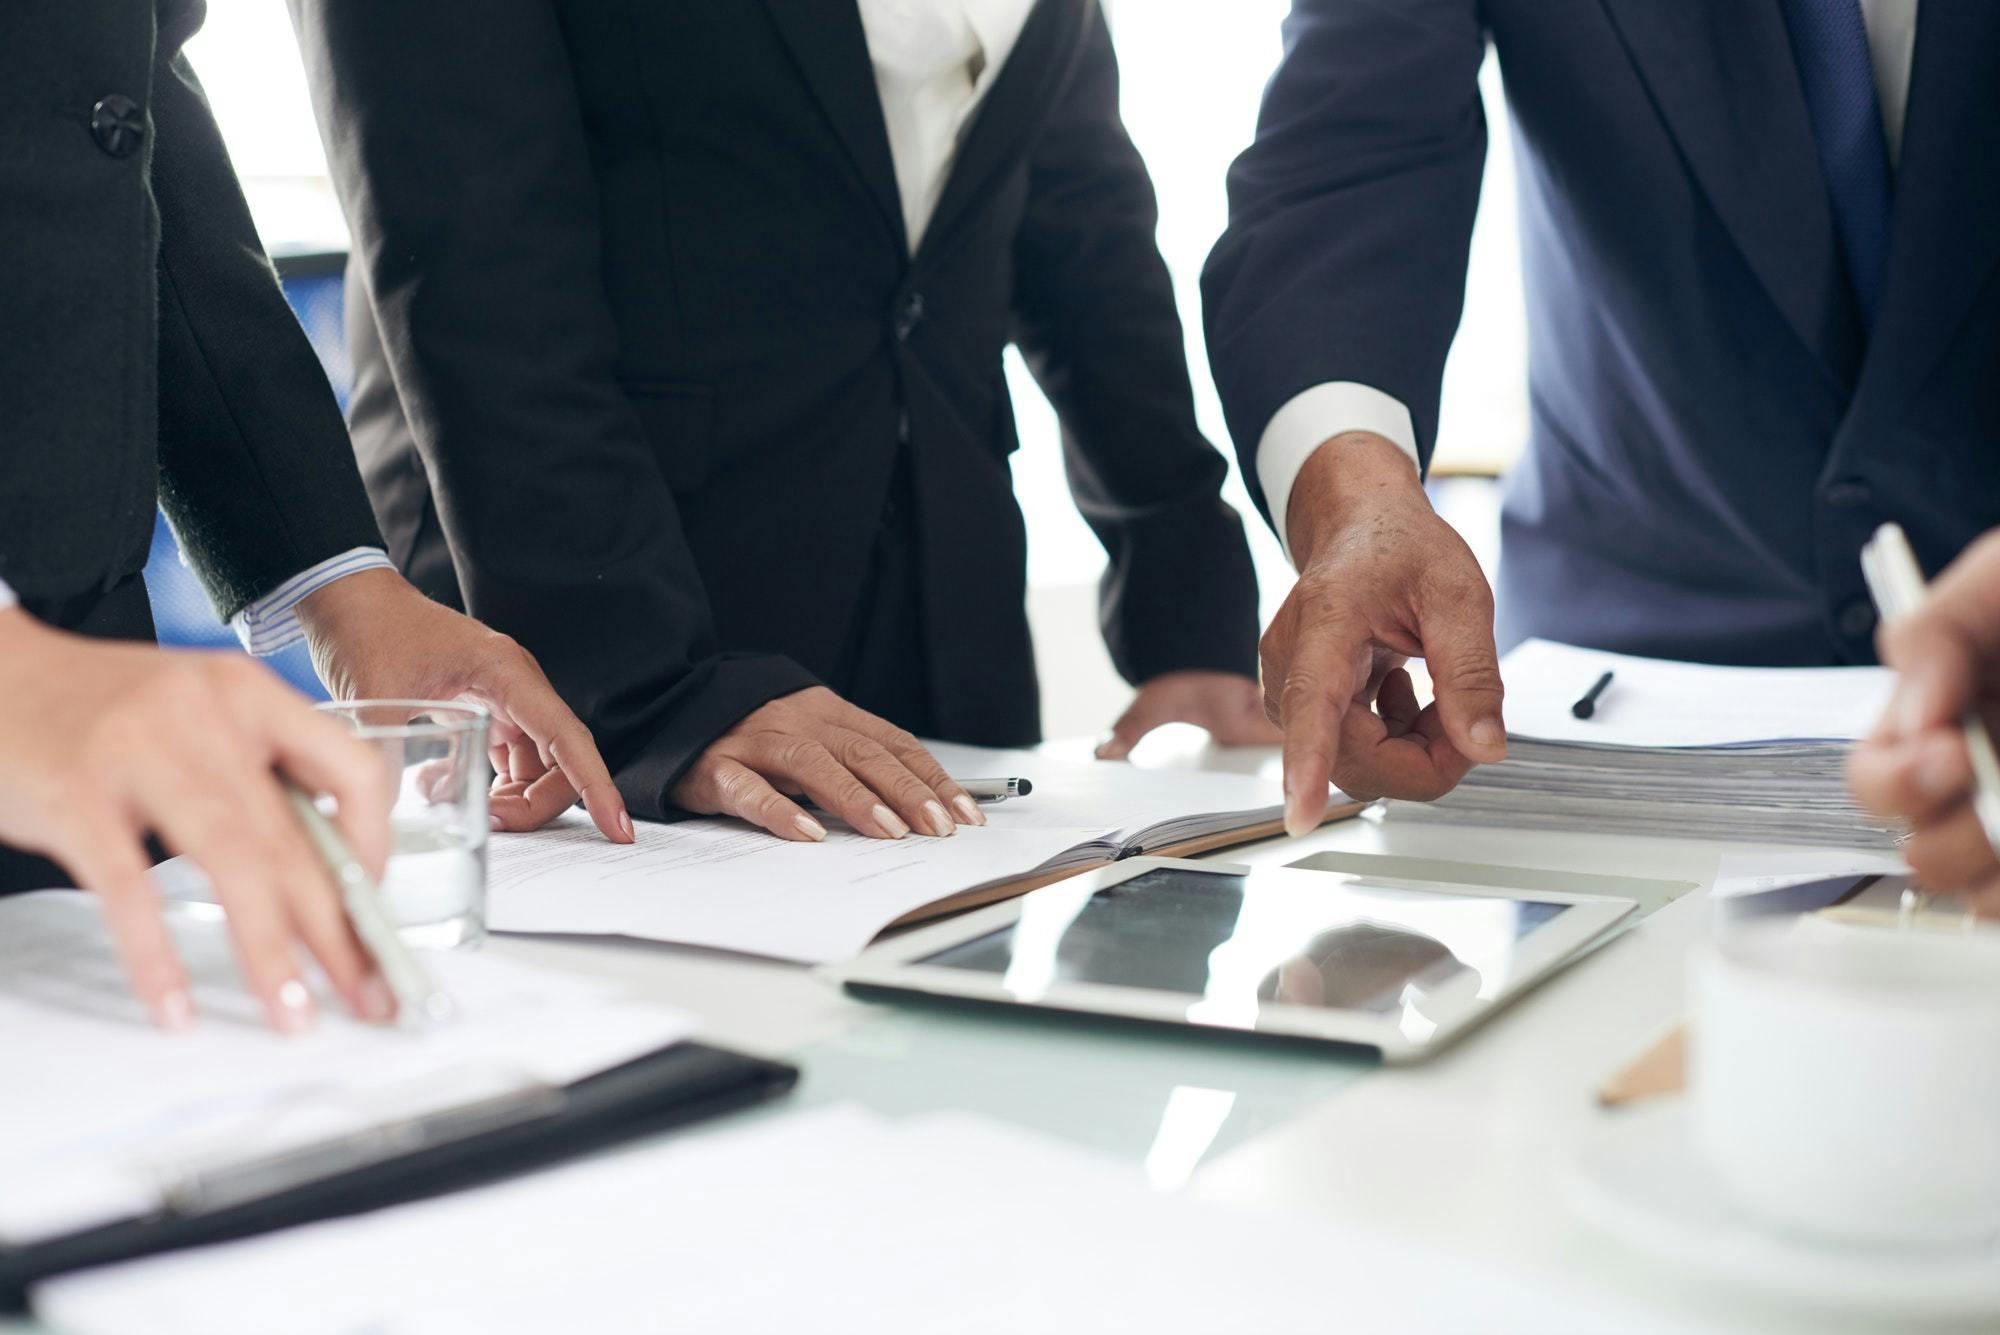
(1464, 1153)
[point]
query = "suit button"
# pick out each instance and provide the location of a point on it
(1849, 494)
(118, 125)
(1856, 619)
(909, 314)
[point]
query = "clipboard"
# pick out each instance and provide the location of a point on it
(427, 1156)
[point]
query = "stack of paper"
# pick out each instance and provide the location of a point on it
(100, 1112)
(832, 1221)
(1677, 749)
(730, 886)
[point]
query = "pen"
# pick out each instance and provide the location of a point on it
(983, 791)
(1896, 582)
(996, 790)
(1587, 706)
(417, 997)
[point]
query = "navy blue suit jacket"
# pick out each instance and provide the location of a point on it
(1714, 433)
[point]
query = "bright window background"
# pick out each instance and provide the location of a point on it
(1194, 71)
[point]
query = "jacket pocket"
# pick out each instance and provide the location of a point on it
(679, 418)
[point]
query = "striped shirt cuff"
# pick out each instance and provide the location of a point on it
(272, 622)
(7, 598)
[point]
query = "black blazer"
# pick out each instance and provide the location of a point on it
(639, 341)
(1713, 432)
(144, 343)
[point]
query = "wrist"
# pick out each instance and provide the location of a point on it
(353, 600)
(1348, 478)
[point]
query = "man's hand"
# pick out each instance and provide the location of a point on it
(1229, 706)
(106, 743)
(374, 636)
(1915, 765)
(1381, 580)
(870, 773)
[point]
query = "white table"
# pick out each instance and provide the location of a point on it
(1463, 1153)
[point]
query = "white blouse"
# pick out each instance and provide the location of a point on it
(934, 62)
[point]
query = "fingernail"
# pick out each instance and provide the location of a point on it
(174, 1012)
(1913, 710)
(378, 1003)
(1303, 812)
(1909, 714)
(1937, 771)
(294, 1013)
(625, 826)
(1488, 733)
(1927, 694)
(890, 821)
(497, 823)
(810, 828)
(941, 824)
(973, 815)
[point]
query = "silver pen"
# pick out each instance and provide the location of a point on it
(996, 790)
(418, 999)
(1896, 582)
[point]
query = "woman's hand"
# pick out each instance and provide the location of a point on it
(374, 636)
(870, 773)
(106, 743)
(1229, 706)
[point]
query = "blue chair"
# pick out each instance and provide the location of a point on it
(181, 612)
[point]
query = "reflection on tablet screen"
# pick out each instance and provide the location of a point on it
(1236, 946)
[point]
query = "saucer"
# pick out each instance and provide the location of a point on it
(1641, 1179)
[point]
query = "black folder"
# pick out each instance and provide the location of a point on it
(685, 1083)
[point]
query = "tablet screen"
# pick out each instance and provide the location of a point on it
(1238, 943)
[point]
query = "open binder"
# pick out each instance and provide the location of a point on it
(422, 1156)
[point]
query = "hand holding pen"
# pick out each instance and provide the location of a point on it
(111, 742)
(1924, 761)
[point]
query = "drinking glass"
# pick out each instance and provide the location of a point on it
(435, 885)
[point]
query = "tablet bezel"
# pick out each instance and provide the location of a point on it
(891, 965)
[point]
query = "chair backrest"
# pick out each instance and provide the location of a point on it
(181, 611)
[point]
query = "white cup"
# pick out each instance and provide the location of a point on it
(1845, 1080)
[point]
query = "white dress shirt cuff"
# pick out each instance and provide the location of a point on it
(7, 598)
(272, 622)
(1311, 419)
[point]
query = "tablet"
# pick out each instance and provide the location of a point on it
(1399, 966)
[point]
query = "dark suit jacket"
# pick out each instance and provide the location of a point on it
(1713, 437)
(144, 342)
(647, 342)
(145, 348)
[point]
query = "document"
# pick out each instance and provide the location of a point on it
(1752, 872)
(834, 1221)
(99, 1110)
(731, 886)
(727, 885)
(1657, 703)
(1687, 750)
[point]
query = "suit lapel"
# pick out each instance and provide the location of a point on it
(1944, 236)
(831, 50)
(1722, 76)
(1048, 46)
